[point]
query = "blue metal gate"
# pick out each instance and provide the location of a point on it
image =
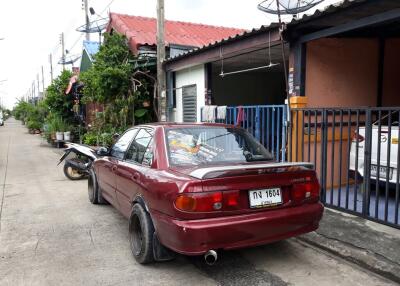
(267, 123)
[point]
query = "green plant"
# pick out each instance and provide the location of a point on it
(34, 125)
(116, 82)
(90, 139)
(55, 124)
(31, 114)
(58, 102)
(107, 139)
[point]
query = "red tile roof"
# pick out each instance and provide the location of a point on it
(142, 31)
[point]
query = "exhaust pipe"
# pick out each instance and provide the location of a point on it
(210, 257)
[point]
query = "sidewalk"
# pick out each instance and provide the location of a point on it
(365, 243)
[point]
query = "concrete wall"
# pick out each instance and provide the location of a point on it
(190, 76)
(342, 72)
(391, 95)
(253, 88)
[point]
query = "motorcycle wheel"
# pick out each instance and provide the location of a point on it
(72, 173)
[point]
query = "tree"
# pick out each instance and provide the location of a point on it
(111, 82)
(58, 102)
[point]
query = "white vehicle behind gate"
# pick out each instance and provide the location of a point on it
(381, 168)
(1, 118)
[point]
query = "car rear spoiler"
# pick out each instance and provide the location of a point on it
(202, 173)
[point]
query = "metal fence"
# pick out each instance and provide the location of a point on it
(267, 123)
(356, 155)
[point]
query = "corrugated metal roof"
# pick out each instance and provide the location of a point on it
(327, 10)
(331, 9)
(142, 31)
(91, 48)
(229, 39)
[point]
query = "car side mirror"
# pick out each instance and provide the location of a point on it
(148, 159)
(103, 151)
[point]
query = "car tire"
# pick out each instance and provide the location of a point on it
(93, 188)
(141, 231)
(70, 173)
(100, 199)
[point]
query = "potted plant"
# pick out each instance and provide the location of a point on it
(60, 130)
(33, 126)
(57, 125)
(67, 133)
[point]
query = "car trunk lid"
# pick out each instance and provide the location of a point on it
(256, 187)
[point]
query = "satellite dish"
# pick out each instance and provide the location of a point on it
(94, 27)
(287, 7)
(69, 60)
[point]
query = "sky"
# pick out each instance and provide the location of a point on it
(31, 31)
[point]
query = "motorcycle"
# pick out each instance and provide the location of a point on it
(78, 166)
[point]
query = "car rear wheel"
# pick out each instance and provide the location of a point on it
(141, 232)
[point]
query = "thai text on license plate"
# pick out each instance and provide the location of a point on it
(265, 197)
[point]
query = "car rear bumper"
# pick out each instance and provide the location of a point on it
(195, 237)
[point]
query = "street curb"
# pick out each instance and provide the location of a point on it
(362, 257)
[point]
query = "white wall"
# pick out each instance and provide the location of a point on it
(193, 75)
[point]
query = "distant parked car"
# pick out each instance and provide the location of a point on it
(198, 188)
(382, 167)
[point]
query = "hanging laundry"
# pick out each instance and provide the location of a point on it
(209, 113)
(221, 112)
(240, 116)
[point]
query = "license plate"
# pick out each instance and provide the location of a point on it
(382, 172)
(265, 197)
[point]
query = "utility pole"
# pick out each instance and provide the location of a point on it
(51, 67)
(38, 86)
(42, 82)
(161, 78)
(63, 50)
(85, 3)
(34, 90)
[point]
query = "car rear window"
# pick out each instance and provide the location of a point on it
(210, 145)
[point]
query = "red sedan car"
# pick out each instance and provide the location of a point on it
(199, 188)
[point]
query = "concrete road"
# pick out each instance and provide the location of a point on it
(51, 235)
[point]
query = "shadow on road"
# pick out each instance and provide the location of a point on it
(233, 269)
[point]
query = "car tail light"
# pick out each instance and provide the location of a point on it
(306, 192)
(357, 137)
(208, 202)
(231, 200)
(185, 203)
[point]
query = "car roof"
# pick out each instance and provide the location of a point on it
(185, 124)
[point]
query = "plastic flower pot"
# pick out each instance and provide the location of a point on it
(59, 136)
(67, 136)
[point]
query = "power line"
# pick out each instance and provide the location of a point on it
(71, 27)
(77, 40)
(109, 4)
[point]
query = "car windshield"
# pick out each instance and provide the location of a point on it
(213, 145)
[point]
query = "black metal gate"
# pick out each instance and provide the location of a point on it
(356, 155)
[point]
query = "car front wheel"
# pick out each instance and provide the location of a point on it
(92, 188)
(141, 232)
